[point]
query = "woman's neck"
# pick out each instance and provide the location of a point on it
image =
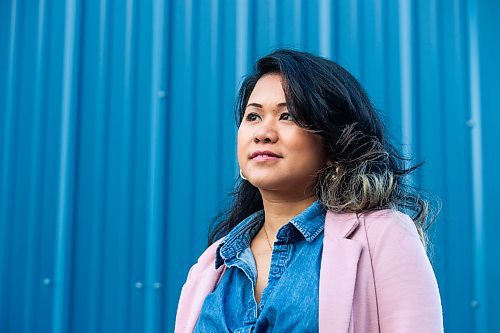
(278, 211)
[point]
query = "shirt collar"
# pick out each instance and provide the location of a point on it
(239, 237)
(310, 223)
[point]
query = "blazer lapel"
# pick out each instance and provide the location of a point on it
(338, 272)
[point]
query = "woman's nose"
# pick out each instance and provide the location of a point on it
(265, 133)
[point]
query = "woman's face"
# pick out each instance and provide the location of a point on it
(274, 153)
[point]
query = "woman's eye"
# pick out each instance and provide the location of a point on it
(252, 116)
(286, 116)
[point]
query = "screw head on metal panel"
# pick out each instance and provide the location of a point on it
(138, 285)
(161, 94)
(47, 281)
(157, 285)
(470, 123)
(474, 304)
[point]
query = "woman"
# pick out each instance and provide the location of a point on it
(315, 239)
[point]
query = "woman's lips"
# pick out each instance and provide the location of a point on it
(264, 158)
(267, 153)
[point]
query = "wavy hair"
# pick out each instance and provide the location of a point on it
(365, 171)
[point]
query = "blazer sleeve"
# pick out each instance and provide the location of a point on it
(406, 288)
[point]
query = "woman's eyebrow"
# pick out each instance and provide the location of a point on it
(257, 105)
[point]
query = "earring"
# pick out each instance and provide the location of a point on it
(241, 175)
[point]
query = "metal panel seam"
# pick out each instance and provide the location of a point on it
(477, 167)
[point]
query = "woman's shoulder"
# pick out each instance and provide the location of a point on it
(388, 226)
(373, 222)
(209, 253)
(206, 261)
(388, 220)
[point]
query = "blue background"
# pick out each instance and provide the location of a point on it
(117, 142)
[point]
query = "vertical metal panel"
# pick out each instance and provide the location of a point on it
(117, 142)
(373, 50)
(454, 224)
(406, 76)
(65, 199)
(10, 40)
(91, 184)
(325, 26)
(156, 193)
(348, 35)
(475, 123)
(489, 67)
(34, 208)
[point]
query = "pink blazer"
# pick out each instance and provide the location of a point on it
(375, 277)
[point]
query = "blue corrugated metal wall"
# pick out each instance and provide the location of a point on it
(117, 142)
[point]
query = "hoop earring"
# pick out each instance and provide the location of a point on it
(241, 175)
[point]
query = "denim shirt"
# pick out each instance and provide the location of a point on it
(289, 303)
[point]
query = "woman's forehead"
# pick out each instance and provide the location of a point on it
(268, 88)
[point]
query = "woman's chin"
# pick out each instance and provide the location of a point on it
(274, 185)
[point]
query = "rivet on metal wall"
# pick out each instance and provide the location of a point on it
(470, 123)
(161, 94)
(47, 282)
(157, 285)
(474, 304)
(138, 285)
